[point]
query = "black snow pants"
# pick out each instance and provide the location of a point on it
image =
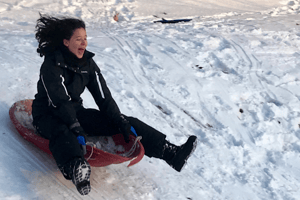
(65, 147)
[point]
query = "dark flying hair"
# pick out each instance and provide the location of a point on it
(51, 31)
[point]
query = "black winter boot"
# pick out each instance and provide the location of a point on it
(79, 171)
(81, 176)
(177, 156)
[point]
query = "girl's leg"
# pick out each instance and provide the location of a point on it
(66, 151)
(157, 146)
(62, 142)
(154, 142)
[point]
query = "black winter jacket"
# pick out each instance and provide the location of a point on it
(63, 78)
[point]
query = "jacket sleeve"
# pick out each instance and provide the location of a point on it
(102, 95)
(52, 80)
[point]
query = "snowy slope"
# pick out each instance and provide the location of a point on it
(230, 76)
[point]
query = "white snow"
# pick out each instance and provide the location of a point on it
(230, 76)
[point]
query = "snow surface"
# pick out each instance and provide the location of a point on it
(230, 76)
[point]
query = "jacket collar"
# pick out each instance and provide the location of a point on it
(60, 61)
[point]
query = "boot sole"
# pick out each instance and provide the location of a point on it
(81, 179)
(84, 187)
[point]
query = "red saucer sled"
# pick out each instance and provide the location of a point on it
(100, 151)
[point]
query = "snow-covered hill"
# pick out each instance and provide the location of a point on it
(230, 76)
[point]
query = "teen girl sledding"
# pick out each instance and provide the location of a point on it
(58, 112)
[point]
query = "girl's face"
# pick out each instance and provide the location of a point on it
(77, 42)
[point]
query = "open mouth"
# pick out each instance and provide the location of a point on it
(81, 50)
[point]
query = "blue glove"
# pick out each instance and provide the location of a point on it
(133, 130)
(79, 133)
(126, 129)
(81, 140)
